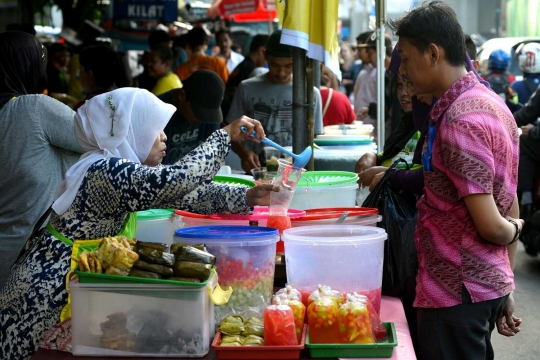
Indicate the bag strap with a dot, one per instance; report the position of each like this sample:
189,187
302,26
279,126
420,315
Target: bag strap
36,229
330,92
374,196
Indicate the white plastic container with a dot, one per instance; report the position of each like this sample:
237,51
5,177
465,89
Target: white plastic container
167,312
349,258
157,225
325,189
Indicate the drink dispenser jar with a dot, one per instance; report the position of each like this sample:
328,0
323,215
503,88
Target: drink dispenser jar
287,178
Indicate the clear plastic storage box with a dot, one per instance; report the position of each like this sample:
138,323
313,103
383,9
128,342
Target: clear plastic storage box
141,320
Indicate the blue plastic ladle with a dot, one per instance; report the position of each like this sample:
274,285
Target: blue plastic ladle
299,161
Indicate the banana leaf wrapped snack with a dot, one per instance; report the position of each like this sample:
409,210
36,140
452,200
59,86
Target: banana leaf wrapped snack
253,340
150,245
144,274
189,253
253,326
228,340
175,246
192,280
191,269
154,256
232,325
155,268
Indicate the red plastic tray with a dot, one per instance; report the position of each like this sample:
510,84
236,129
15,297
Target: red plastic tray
258,352
335,213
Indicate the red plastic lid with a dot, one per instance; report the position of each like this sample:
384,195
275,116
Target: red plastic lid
259,213
335,213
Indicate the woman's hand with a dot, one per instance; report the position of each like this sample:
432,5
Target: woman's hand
366,177
508,324
366,161
376,179
233,129
260,194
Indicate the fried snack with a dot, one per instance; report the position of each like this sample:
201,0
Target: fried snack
122,261
158,269
105,251
83,259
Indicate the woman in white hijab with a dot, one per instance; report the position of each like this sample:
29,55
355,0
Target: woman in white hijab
119,174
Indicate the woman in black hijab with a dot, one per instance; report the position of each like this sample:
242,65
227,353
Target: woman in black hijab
23,65
37,144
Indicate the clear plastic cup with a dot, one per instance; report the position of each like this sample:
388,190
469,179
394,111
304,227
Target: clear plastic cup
272,156
259,174
287,178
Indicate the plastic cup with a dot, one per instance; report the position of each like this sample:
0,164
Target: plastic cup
272,156
259,174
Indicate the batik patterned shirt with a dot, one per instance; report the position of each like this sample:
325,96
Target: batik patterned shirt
475,151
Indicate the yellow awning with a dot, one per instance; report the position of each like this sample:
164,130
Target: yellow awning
312,25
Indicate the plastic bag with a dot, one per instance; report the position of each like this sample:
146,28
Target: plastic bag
288,292
354,323
279,329
326,291
323,321
398,209
377,328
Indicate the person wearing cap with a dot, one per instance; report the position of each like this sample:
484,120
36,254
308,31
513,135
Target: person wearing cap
197,114
196,45
268,99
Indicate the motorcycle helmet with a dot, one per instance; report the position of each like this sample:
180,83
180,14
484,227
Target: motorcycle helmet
528,56
498,59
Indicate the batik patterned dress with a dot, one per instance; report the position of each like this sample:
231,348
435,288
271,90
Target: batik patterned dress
32,299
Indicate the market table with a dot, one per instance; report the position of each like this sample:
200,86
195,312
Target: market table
391,310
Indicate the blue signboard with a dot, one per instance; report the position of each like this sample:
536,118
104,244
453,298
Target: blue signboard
164,10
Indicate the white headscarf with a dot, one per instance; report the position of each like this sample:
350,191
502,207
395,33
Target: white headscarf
139,116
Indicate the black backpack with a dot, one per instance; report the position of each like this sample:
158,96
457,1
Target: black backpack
498,82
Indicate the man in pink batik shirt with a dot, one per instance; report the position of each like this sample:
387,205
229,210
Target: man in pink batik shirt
468,217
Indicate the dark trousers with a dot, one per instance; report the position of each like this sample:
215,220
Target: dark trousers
529,159
460,332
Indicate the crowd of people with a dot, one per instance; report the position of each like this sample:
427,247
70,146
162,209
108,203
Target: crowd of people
156,140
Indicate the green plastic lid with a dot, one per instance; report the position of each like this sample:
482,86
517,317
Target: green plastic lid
232,180
155,214
327,178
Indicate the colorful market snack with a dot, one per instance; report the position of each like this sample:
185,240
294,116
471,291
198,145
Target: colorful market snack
326,291
279,328
354,323
323,321
377,327
299,312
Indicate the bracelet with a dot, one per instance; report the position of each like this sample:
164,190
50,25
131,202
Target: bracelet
518,231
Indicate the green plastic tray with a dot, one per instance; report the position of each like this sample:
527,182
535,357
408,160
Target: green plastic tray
231,180
93,278
383,349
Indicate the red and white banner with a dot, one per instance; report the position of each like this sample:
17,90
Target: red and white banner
232,7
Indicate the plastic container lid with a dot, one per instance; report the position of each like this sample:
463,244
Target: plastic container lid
327,178
154,214
335,213
229,235
259,213
232,180
326,235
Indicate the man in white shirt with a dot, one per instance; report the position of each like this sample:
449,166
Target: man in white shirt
224,41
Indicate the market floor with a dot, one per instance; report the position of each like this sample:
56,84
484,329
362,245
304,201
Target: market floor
526,344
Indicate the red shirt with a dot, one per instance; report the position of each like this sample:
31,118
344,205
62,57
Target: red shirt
339,110
475,151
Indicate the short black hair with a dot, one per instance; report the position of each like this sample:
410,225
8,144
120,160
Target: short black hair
164,53
257,42
363,37
105,64
223,31
196,37
433,23
471,47
158,37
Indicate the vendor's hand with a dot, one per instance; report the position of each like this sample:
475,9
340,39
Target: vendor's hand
508,324
366,177
525,129
376,179
251,124
250,160
260,194
366,161
362,113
